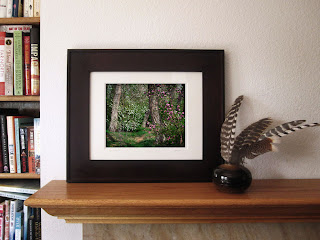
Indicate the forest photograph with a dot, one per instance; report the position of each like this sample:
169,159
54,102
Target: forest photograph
145,115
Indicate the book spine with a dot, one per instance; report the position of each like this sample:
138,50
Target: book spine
37,223
12,217
2,63
15,7
11,144
31,228
4,143
9,8
12,28
18,226
18,73
17,144
20,196
1,158
24,150
35,61
7,220
20,8
31,158
26,215
28,8
2,220
3,8
37,144
9,64
36,8
27,64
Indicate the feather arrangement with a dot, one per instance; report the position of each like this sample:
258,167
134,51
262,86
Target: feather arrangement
255,139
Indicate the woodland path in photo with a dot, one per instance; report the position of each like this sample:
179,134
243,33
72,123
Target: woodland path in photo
145,115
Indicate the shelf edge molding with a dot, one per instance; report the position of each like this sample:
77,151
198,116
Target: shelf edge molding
140,203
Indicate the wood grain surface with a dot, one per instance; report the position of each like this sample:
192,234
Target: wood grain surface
265,201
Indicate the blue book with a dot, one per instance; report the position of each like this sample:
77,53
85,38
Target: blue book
19,226
17,124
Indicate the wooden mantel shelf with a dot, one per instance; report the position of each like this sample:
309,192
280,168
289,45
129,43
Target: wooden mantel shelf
265,201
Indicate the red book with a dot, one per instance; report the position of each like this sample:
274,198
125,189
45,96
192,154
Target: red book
31,157
2,63
27,64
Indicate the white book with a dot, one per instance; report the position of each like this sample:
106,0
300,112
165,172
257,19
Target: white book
12,28
30,186
36,8
19,196
28,8
15,206
9,65
11,144
37,144
2,63
9,8
26,215
3,8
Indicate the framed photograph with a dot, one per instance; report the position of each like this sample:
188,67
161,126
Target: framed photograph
144,115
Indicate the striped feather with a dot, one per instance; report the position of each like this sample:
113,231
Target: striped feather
228,129
281,129
294,129
258,148
247,137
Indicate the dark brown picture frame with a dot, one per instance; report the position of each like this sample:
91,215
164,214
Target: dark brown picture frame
82,62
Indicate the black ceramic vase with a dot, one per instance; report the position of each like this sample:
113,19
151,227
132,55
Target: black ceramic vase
232,178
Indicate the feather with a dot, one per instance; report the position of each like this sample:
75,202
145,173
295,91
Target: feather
281,129
247,137
258,148
228,129
266,144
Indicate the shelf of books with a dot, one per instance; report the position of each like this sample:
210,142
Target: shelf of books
19,118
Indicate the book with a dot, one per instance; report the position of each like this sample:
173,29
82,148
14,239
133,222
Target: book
18,226
31,157
9,64
37,144
2,219
24,150
3,8
7,220
17,123
1,159
2,63
31,234
4,143
12,28
18,196
36,8
28,8
9,8
11,144
30,186
35,61
18,64
26,215
15,206
27,63
37,223
17,8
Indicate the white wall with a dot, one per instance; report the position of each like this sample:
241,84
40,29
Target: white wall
272,53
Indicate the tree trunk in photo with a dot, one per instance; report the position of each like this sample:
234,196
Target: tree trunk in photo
115,107
145,119
154,110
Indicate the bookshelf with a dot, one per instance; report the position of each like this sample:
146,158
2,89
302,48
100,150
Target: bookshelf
27,105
